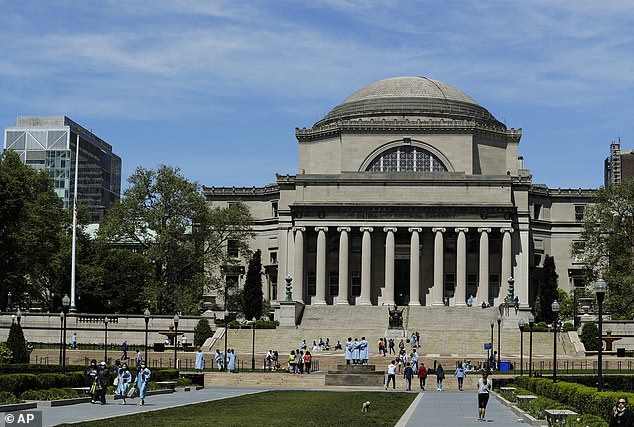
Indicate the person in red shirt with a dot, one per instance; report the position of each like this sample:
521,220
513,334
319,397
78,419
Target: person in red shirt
422,375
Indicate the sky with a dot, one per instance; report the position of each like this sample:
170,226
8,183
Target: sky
217,88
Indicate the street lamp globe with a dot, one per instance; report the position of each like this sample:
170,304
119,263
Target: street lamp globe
66,302
555,307
599,288
521,324
146,314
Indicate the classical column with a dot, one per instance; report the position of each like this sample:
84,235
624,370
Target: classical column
366,266
321,277
342,298
388,290
483,281
282,254
460,293
438,291
414,266
298,277
506,269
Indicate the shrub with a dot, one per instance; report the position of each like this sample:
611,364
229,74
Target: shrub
19,383
50,394
568,326
164,374
589,336
183,382
202,331
5,354
17,344
7,398
585,420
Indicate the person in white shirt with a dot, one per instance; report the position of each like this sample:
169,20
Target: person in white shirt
391,375
484,387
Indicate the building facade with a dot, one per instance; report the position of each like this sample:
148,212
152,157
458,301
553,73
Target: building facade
619,165
410,193
48,143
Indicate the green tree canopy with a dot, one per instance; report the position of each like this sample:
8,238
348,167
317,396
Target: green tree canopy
167,219
17,344
34,231
547,291
202,331
608,246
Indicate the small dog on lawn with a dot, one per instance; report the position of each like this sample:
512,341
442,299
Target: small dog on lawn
365,407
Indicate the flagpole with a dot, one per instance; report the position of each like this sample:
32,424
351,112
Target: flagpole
73,308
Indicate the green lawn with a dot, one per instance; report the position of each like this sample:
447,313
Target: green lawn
278,408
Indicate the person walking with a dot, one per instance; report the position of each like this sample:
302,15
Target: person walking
200,360
125,379
422,375
142,381
460,374
407,374
440,376
92,377
391,375
124,350
103,380
622,415
73,341
484,387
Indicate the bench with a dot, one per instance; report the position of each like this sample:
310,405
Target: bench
82,390
171,385
558,416
525,398
507,389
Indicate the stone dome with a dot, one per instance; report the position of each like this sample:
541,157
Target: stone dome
409,97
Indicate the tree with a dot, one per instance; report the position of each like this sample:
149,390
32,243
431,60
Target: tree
17,344
202,331
608,246
33,235
166,218
547,291
589,336
252,294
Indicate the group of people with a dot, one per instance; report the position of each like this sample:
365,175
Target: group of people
299,362
316,346
357,352
225,363
98,376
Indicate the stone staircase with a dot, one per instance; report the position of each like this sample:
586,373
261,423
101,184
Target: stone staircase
457,331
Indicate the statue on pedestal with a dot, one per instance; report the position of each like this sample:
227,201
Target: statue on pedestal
396,317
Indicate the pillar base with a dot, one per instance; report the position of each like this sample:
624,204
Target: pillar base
341,301
414,303
438,304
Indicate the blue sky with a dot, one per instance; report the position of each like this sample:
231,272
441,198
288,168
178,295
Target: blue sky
218,87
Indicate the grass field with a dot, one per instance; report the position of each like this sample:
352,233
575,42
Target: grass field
277,408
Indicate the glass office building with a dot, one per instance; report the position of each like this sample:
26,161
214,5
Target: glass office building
48,143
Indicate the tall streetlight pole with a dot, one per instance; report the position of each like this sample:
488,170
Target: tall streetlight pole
176,318
105,339
491,368
499,319
253,346
555,308
65,305
521,325
146,315
224,356
599,290
531,323
73,308
61,336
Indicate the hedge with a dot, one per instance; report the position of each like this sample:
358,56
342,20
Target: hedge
19,383
50,394
584,399
27,368
8,398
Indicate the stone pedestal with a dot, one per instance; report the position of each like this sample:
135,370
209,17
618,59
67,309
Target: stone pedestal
355,375
289,313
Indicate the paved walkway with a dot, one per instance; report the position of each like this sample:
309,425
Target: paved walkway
430,408
455,408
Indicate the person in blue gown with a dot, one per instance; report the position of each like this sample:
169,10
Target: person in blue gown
142,381
348,349
200,360
125,379
364,351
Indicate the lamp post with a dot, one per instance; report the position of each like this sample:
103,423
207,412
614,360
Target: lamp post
61,336
499,319
9,301
521,325
489,361
531,323
65,305
555,308
18,315
599,290
224,356
105,339
146,315
176,341
253,345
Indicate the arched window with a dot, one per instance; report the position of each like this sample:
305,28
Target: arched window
406,159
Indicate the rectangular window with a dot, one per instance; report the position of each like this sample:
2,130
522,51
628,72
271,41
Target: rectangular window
355,282
355,245
537,211
273,257
333,283
274,209
577,251
273,288
579,213
311,283
232,248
